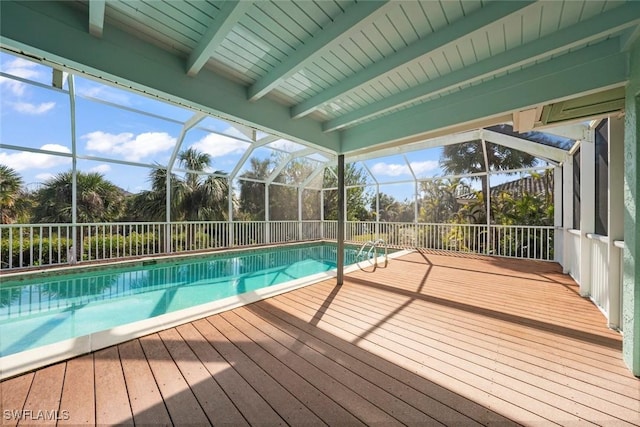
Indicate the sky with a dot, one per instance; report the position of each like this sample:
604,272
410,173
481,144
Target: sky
39,118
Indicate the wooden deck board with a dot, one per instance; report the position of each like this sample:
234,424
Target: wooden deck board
249,402
447,343
13,393
212,398
432,339
43,400
182,405
299,381
78,393
112,400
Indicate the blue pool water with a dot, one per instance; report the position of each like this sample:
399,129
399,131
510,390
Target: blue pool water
39,311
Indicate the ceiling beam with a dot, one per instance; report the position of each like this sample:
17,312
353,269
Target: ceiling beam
589,69
536,149
96,17
487,15
157,72
228,16
611,22
357,15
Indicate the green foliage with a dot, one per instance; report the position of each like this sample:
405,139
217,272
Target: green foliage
98,200
468,157
358,198
440,200
196,196
252,202
32,255
15,203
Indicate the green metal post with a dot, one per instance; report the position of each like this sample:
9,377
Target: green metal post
631,281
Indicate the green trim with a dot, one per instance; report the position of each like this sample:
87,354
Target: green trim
355,15
57,32
585,70
563,40
631,273
485,16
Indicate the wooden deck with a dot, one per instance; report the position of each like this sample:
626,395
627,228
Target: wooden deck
429,340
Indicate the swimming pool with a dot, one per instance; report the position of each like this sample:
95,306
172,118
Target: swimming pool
110,305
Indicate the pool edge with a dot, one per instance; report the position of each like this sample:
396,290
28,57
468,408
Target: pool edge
25,361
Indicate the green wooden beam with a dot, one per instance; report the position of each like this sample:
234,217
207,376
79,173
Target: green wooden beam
588,69
357,15
611,22
56,32
96,17
228,16
489,14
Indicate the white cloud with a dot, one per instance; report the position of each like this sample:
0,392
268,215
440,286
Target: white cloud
131,147
218,145
25,160
286,145
100,168
28,108
42,177
427,166
104,92
394,169
20,68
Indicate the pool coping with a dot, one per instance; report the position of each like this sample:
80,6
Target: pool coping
28,360
97,265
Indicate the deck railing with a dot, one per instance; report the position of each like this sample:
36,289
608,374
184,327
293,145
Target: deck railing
35,245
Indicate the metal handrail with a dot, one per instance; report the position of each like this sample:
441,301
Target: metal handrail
373,248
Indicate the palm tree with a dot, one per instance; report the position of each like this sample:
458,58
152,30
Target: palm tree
98,200
440,199
201,196
14,202
468,157
198,196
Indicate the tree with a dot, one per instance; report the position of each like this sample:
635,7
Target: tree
197,196
439,199
283,199
357,198
14,200
252,203
468,158
98,200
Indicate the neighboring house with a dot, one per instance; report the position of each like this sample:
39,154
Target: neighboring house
535,185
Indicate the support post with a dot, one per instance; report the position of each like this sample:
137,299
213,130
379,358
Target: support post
488,240
300,230
567,213
322,214
587,209
341,222
230,215
377,211
558,235
616,215
267,224
631,283
72,252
